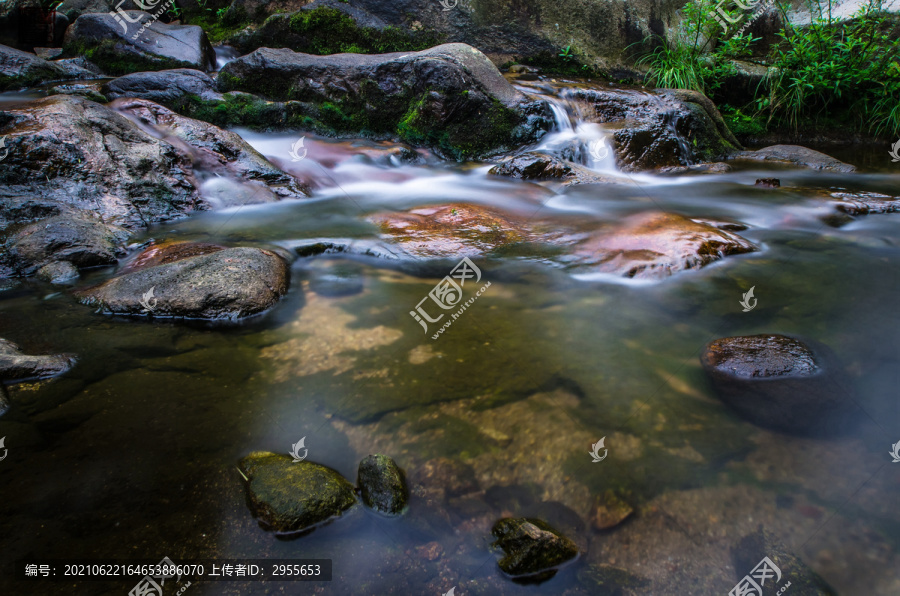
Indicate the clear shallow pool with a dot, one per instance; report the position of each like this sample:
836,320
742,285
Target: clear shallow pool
133,454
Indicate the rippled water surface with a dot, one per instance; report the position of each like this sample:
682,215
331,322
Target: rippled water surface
133,454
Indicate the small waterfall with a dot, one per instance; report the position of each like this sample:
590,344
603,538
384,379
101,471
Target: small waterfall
574,138
224,55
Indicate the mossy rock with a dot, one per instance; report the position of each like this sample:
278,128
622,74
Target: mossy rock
382,485
290,497
533,549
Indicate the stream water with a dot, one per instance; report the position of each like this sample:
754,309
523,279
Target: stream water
133,453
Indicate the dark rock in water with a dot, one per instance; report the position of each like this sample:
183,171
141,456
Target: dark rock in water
532,548
198,287
120,49
382,485
77,241
768,182
337,281
797,156
450,97
171,88
655,245
865,203
538,166
532,166
290,497
779,383
20,69
16,366
666,128
782,567
606,580
58,273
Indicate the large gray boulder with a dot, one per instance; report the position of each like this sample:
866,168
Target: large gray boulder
81,242
219,283
450,97
120,48
20,69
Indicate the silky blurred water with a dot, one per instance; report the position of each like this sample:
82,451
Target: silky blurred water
133,453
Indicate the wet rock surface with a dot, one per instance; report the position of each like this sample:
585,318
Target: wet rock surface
610,510
450,97
17,366
196,286
796,156
100,39
290,497
80,242
539,166
171,88
453,230
20,69
382,485
655,245
780,383
532,548
668,128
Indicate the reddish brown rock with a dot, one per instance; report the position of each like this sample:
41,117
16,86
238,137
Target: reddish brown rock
655,245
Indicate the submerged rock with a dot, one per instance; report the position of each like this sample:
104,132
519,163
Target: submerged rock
290,497
337,281
655,245
610,510
150,45
450,97
201,287
17,366
779,383
789,569
382,485
20,69
531,547
797,156
58,273
453,230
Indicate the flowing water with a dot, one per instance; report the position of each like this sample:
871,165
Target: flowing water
132,455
